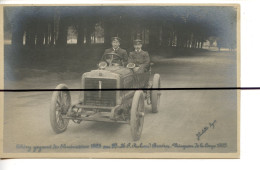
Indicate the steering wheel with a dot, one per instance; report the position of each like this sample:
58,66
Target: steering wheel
110,58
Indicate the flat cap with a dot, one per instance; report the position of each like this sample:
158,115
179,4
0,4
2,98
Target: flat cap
137,41
115,39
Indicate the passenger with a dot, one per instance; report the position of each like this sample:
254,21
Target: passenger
139,57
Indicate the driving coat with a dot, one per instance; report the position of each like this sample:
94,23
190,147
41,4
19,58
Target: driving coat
121,52
141,59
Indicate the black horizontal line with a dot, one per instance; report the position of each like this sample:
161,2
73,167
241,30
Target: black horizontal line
127,89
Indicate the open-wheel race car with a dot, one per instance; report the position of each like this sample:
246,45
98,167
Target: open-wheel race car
111,93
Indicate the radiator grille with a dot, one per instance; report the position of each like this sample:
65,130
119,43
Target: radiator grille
100,98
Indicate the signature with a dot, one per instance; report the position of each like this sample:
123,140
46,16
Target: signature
205,129
212,124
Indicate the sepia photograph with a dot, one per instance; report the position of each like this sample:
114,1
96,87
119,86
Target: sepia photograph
125,81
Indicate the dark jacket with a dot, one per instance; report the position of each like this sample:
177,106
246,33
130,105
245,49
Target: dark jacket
141,59
121,52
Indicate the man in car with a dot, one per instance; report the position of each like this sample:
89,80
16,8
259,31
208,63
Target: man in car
115,41
139,57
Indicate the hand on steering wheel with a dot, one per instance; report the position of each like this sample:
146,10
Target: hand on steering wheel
109,60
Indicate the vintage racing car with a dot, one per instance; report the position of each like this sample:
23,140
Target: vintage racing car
111,93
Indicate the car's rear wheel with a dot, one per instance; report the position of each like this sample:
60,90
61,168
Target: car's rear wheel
60,104
137,115
156,94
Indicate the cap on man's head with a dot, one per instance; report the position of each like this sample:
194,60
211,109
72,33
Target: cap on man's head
137,42
115,39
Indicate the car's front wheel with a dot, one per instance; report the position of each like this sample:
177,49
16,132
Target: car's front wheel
137,115
60,104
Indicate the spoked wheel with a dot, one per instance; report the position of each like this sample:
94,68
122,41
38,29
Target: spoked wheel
137,115
156,94
60,104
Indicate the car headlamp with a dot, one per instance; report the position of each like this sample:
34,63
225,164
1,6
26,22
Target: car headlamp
102,65
130,65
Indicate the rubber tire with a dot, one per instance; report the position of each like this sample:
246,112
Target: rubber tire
154,93
56,128
137,131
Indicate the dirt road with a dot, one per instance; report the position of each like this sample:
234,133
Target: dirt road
182,115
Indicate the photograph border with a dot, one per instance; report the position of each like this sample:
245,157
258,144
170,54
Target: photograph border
116,154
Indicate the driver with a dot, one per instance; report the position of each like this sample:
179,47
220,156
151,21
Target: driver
115,41
139,57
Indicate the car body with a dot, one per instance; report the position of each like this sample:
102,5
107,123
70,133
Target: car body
111,93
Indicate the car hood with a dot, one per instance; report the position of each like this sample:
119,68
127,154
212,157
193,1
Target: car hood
110,71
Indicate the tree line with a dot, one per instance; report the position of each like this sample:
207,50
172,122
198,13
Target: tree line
178,31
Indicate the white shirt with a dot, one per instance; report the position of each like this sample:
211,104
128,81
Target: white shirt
116,48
